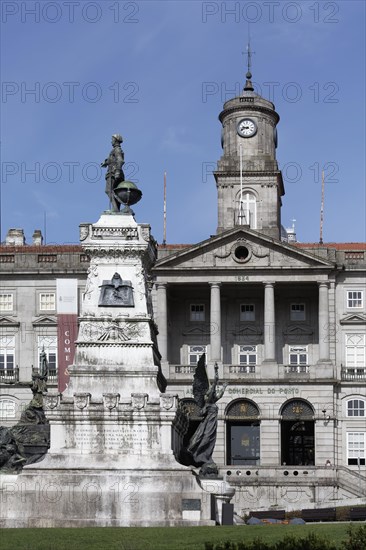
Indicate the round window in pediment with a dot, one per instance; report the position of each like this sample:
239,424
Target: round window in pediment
241,251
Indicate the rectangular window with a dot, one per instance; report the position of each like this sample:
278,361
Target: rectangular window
247,358
197,312
354,299
297,312
47,301
6,302
247,312
298,356
49,344
7,349
194,354
356,448
355,350
356,407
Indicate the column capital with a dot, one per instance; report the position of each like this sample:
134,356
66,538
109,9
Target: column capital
323,284
268,283
160,285
214,284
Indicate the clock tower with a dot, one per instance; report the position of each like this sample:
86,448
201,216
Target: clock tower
249,183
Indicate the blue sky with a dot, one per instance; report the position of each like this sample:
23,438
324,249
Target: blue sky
158,72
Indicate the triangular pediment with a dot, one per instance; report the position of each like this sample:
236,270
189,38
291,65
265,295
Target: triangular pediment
203,330
298,330
239,249
247,330
8,322
45,321
354,319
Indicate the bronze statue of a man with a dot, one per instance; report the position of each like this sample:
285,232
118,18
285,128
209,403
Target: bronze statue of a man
114,174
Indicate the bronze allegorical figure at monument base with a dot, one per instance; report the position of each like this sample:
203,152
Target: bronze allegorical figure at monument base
28,441
202,443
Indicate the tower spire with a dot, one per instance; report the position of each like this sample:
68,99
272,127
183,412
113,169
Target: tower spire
248,84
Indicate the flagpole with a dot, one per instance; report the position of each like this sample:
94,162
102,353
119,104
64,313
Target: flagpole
241,187
322,211
164,230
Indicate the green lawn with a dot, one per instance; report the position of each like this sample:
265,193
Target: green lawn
159,538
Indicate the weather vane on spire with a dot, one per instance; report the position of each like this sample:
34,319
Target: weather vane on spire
248,84
249,54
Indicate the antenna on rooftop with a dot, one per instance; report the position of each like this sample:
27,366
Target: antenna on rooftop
164,229
241,214
45,226
322,211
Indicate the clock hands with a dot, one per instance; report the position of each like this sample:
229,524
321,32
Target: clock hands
246,128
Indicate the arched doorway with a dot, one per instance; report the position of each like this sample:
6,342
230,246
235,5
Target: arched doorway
242,433
297,433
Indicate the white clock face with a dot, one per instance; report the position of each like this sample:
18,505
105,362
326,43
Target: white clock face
246,127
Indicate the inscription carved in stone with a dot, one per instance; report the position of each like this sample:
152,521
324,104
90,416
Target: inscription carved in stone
114,438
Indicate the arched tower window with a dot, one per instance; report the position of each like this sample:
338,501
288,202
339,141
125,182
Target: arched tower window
246,209
297,433
242,433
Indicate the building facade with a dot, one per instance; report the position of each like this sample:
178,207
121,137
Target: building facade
284,321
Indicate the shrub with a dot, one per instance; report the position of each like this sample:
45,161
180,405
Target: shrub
256,544
356,538
310,542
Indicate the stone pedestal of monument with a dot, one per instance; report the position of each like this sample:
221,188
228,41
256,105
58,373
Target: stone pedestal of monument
111,460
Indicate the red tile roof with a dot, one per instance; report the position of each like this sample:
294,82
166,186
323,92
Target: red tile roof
173,246
44,249
60,248
337,246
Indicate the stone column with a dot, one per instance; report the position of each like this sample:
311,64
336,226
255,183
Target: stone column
323,317
215,322
162,320
269,323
